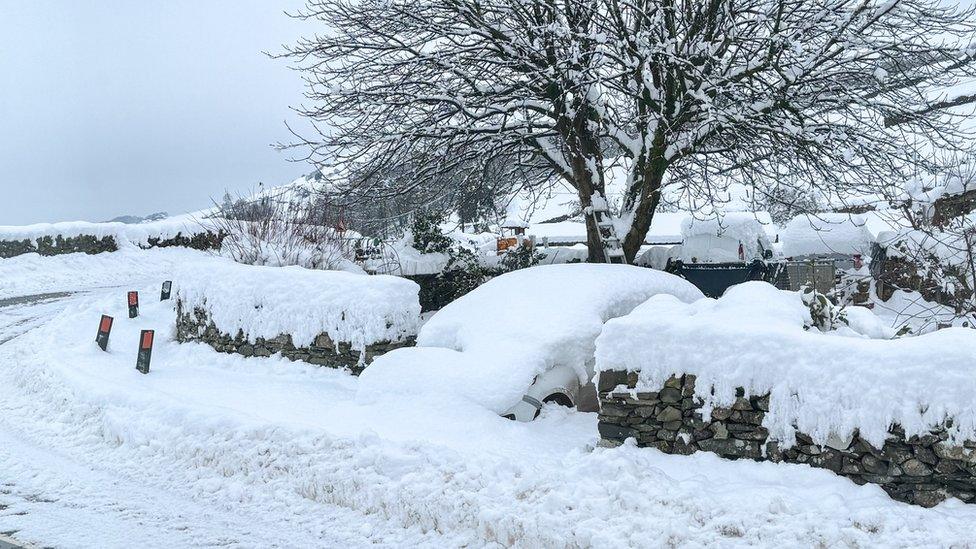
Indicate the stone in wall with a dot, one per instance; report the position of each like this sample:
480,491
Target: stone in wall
198,241
195,325
919,470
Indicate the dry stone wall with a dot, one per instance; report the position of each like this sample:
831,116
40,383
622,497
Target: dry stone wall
923,470
56,245
89,244
195,325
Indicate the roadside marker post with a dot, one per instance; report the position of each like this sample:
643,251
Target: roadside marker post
167,289
104,330
145,350
133,304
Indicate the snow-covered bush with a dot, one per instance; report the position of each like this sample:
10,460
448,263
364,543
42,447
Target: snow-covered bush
426,233
824,314
282,233
820,383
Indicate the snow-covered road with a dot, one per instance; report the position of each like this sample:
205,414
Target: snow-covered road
220,450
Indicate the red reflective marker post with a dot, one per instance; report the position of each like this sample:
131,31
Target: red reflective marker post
133,304
167,289
145,350
104,330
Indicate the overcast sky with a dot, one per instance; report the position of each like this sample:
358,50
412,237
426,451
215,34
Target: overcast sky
113,107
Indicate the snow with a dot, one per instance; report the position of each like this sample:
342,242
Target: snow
33,274
716,239
212,449
269,301
950,246
754,337
125,234
656,257
665,229
825,234
489,345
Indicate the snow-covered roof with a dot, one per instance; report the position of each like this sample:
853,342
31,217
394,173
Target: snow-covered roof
269,301
754,337
489,345
825,234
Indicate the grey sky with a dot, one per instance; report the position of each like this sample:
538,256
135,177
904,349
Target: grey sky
110,107
119,106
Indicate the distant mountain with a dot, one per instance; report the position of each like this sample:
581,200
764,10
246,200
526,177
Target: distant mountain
135,219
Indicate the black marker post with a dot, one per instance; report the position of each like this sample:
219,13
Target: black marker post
133,304
145,351
166,291
104,330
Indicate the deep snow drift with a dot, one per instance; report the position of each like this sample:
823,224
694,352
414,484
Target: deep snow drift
754,337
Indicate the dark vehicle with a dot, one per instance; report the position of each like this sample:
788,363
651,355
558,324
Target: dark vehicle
714,278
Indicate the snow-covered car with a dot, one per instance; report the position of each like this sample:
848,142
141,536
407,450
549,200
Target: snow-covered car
521,340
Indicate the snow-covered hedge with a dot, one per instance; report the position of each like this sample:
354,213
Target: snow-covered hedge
267,302
820,384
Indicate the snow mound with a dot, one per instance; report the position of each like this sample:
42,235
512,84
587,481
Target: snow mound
125,234
819,384
490,344
269,301
826,233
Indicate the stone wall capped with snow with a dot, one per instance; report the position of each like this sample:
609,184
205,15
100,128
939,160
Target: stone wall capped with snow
331,318
764,374
194,324
923,470
94,238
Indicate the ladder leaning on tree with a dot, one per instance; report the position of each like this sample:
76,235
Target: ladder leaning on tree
613,251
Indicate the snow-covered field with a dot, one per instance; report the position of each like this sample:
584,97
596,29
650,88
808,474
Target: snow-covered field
220,450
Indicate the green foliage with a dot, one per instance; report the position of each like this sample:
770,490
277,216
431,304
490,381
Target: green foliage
825,314
427,235
520,257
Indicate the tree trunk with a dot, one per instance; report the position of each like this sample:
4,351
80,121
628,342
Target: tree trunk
647,201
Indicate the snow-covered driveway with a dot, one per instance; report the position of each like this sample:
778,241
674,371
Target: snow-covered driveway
213,449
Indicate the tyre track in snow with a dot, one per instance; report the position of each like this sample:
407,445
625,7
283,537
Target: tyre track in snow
60,495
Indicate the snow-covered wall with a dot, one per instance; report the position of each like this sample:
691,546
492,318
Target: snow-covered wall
325,317
853,384
93,238
922,470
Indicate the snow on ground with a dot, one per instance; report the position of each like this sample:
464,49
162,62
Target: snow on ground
269,301
823,384
212,449
33,274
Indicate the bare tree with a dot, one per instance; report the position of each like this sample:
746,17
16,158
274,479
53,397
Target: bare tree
689,94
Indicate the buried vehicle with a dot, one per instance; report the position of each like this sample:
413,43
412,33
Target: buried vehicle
522,339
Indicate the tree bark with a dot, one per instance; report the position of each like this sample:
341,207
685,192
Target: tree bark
646,204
